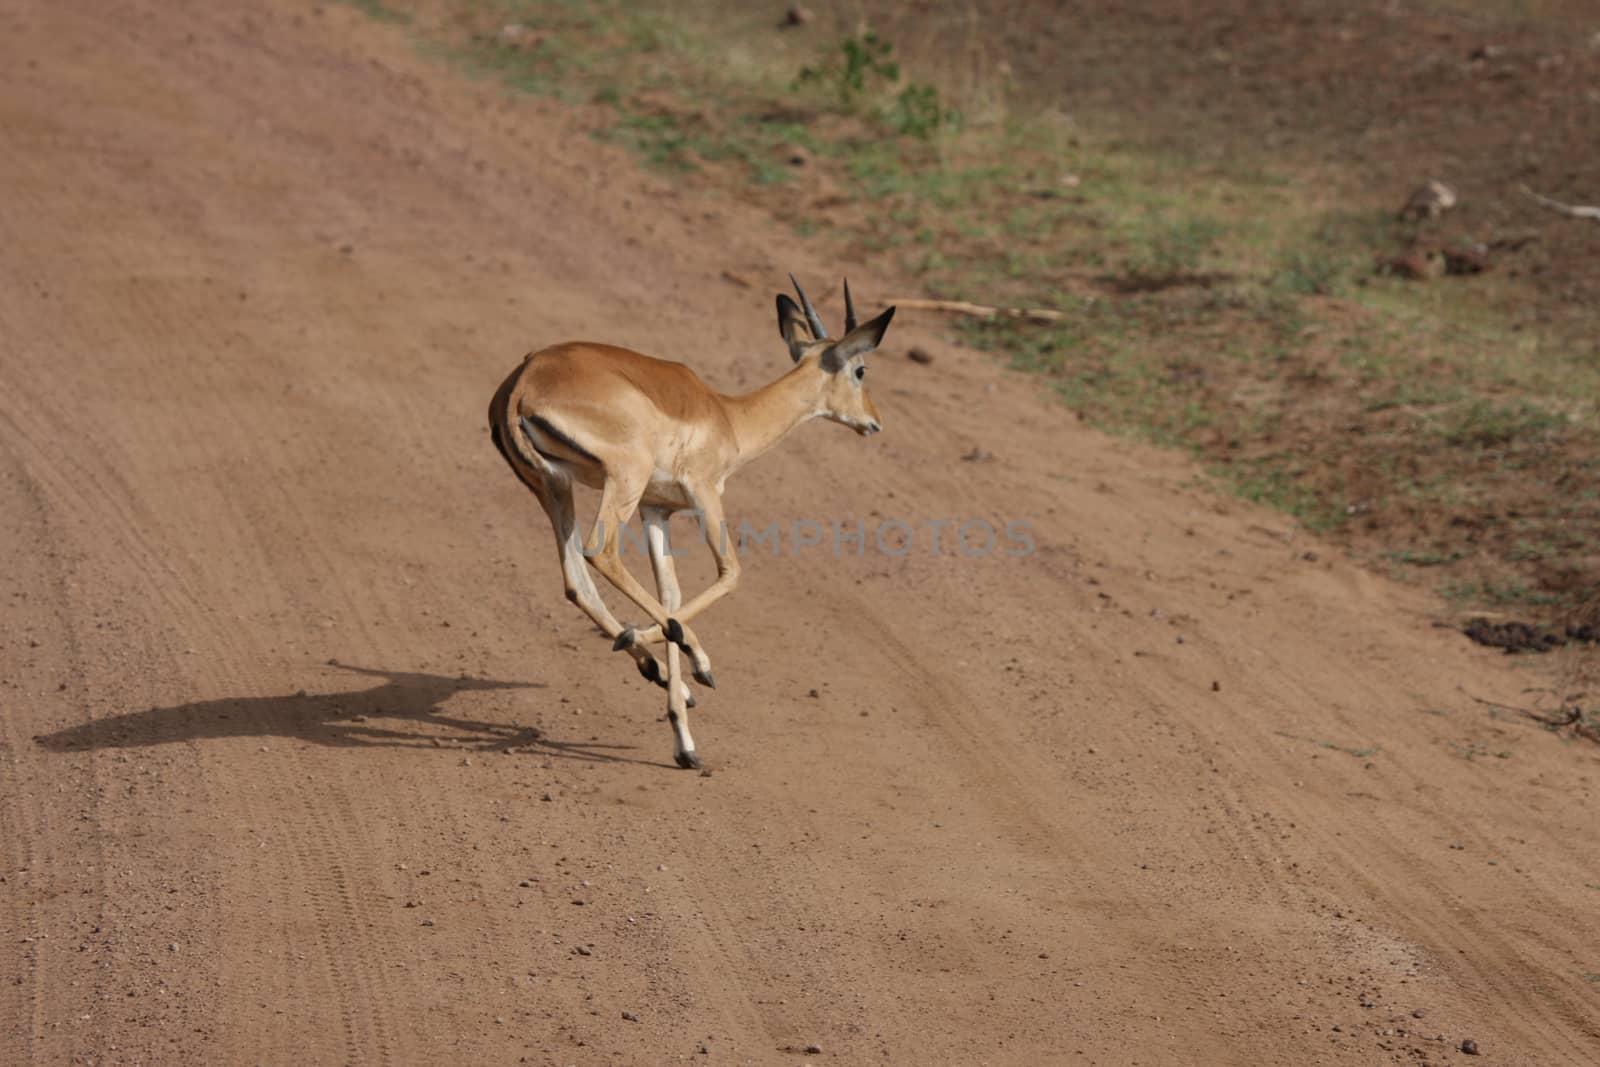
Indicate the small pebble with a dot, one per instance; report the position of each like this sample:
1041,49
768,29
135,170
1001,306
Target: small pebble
1470,1047
630,1016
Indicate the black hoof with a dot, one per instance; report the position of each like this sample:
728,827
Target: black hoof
704,678
675,632
651,669
688,761
624,640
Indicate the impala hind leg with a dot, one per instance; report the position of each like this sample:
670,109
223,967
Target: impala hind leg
556,496
655,528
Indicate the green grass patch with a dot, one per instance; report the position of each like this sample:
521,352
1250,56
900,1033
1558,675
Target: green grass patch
377,9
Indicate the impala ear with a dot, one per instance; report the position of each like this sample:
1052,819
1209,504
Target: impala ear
792,326
858,342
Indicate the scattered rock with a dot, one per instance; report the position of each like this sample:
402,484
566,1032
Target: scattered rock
1419,1013
1466,259
795,155
1430,257
1588,633
813,694
1514,637
978,455
813,1050
512,32
797,16
705,772
1469,1047
580,950
1429,200
918,354
630,1016
1216,687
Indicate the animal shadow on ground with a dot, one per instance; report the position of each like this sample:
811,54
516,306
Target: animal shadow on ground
376,716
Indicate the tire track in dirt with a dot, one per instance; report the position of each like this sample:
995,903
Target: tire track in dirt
1387,874
92,497
717,966
361,999
31,830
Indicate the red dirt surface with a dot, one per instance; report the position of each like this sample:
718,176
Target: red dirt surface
304,758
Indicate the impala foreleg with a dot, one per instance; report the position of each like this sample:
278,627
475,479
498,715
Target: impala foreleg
604,550
655,527
717,539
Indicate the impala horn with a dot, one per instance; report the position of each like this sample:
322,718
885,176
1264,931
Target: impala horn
818,331
849,308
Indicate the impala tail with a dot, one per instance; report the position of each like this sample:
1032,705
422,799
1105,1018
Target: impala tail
512,445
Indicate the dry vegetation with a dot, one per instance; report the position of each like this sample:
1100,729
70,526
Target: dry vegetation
1213,199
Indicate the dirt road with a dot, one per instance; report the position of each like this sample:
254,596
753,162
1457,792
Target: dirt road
304,758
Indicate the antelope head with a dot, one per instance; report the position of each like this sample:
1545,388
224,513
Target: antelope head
840,363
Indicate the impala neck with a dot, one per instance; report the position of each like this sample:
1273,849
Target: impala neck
764,417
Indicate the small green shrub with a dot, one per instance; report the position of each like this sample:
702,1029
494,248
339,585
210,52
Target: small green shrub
916,112
866,62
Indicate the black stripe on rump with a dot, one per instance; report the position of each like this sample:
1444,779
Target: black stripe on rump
544,426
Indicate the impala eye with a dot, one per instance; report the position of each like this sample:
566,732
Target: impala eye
861,372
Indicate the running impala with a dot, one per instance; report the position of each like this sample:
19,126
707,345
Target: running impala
651,436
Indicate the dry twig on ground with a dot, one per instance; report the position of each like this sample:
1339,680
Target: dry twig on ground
1576,211
982,311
